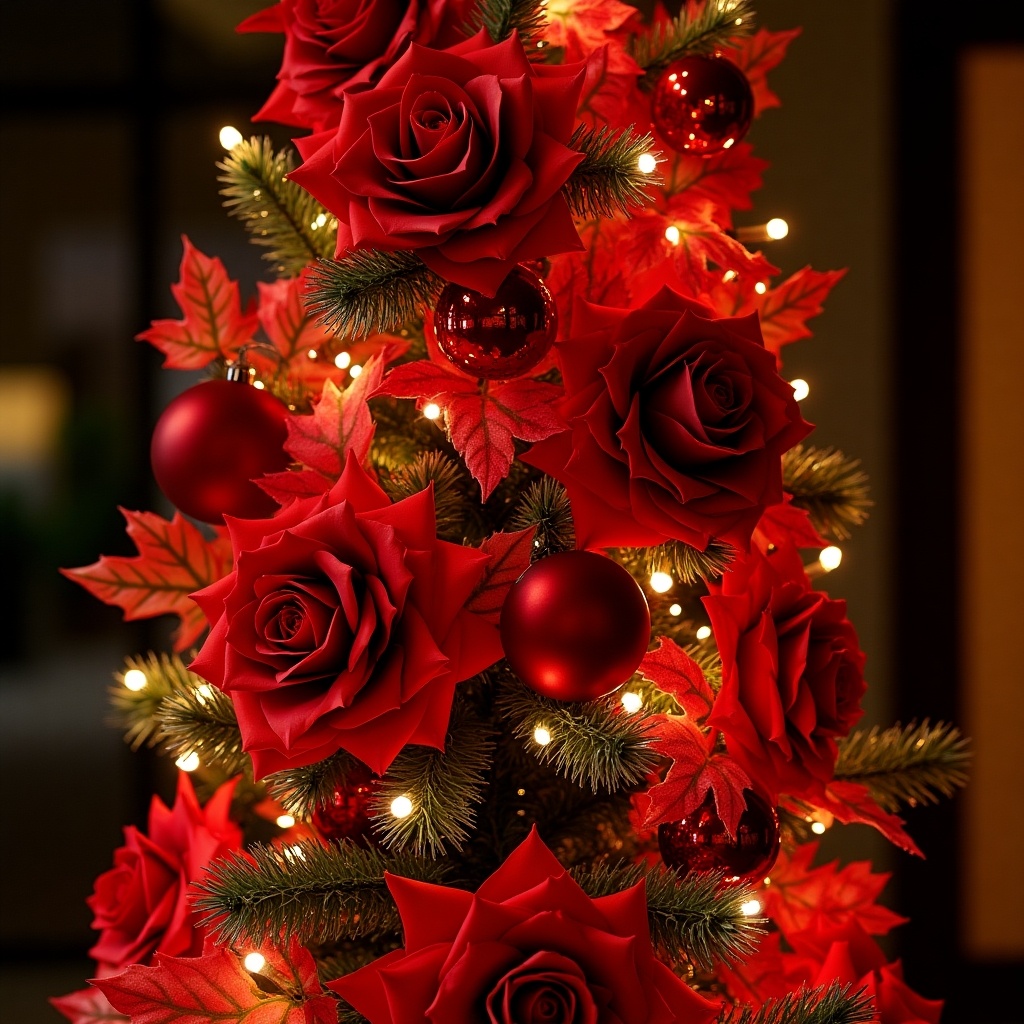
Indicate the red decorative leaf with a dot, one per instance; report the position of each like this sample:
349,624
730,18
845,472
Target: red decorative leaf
610,95
213,323
696,768
510,558
674,672
760,976
785,309
283,317
851,802
756,56
726,179
87,1006
174,561
216,987
703,242
801,894
784,524
583,26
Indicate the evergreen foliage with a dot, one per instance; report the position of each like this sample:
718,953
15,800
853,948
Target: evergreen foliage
608,180
202,720
503,17
830,486
545,505
135,710
835,1004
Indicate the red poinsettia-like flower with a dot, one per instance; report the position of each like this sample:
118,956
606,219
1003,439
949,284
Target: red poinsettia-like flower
528,946
459,155
678,422
792,672
333,47
344,625
140,906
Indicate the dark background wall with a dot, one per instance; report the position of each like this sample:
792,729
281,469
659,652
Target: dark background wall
108,133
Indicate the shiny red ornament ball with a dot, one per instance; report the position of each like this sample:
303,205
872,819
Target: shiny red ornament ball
702,104
498,338
575,626
211,442
347,814
700,842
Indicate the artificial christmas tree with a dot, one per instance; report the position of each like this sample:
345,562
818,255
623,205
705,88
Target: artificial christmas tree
380,643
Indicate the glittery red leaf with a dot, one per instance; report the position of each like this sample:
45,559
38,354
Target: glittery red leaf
851,802
756,55
510,558
674,672
785,309
726,179
87,1006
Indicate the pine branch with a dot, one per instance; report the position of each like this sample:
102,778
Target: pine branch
444,787
451,489
695,916
279,215
370,292
309,892
503,17
202,720
703,30
300,791
832,1005
135,710
592,743
912,764
689,564
545,505
831,487
608,180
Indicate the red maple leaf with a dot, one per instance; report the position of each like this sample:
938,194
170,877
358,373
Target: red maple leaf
726,179
610,94
760,976
696,768
510,558
215,987
756,56
581,26
800,894
785,309
674,672
174,561
87,1006
212,325
340,423
482,417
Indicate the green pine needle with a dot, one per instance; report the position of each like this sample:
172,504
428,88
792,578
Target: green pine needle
608,180
202,720
503,17
300,791
135,710
451,489
689,564
545,505
831,487
832,1005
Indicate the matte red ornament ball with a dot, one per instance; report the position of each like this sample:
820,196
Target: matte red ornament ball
211,442
702,104
575,626
497,338
700,842
347,814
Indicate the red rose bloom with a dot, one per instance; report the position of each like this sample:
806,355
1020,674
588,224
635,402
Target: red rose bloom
343,625
678,422
529,947
141,905
792,672
459,155
332,47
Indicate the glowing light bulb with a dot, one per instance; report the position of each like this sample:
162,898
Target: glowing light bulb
230,137
632,702
312,353
401,807
135,679
672,234
675,609
542,735
285,821
255,962
760,287
818,828
751,908
355,371
776,228
258,385
801,389
188,762
830,557
661,582
729,275
431,410
647,163
343,360
203,693
703,632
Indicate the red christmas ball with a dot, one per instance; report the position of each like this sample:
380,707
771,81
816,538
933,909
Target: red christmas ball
497,338
575,625
347,815
702,104
700,842
211,442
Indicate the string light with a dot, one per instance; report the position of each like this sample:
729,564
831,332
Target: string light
760,287
312,353
355,371
703,632
818,828
255,962
401,807
801,389
661,582
230,137
188,762
258,385
285,821
542,735
431,410
830,557
135,679
751,908
647,163
729,275
776,228
672,234
675,609
203,692
343,360
632,702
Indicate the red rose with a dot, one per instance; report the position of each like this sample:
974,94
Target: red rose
141,905
332,47
678,422
529,947
343,625
457,154
792,672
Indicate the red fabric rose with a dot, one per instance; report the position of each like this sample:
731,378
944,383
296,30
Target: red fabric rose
792,672
529,947
343,625
333,47
678,422
457,154
141,905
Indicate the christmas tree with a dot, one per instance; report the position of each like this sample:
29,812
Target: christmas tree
503,687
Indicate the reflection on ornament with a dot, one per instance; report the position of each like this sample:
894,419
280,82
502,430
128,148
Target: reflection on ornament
347,814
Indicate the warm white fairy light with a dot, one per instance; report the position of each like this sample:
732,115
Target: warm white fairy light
672,234
285,821
188,762
135,679
230,137
729,275
258,385
401,807
354,371
632,702
661,582
542,735
647,163
255,962
830,557
818,828
343,360
203,692
801,389
776,228
703,632
312,353
760,287
431,410
675,609
751,908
